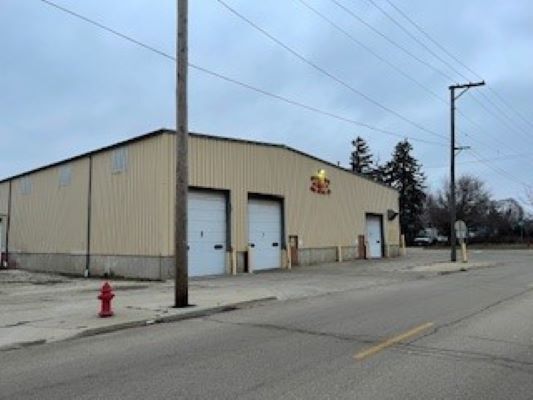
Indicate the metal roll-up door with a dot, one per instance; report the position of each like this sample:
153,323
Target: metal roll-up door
265,233
207,229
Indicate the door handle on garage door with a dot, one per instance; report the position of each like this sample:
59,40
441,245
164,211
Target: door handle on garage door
218,246
252,244
275,244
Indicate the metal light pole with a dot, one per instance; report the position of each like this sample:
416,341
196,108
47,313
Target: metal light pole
181,298
453,148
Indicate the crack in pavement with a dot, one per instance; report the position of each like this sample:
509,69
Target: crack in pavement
429,351
363,339
21,323
457,321
411,346
367,338
511,342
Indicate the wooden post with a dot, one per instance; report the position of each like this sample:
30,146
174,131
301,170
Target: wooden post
339,254
403,250
289,258
464,252
249,259
233,262
181,298
361,246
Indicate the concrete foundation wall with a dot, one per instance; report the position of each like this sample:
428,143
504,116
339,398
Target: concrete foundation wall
317,255
241,262
56,263
155,267
349,253
138,267
394,250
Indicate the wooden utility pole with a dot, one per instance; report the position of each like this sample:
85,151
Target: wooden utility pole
181,298
453,255
453,149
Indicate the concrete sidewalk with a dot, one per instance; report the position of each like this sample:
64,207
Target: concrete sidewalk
37,308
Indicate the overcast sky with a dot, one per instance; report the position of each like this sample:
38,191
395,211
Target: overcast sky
68,87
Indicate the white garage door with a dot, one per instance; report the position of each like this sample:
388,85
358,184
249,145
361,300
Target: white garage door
207,233
374,236
264,233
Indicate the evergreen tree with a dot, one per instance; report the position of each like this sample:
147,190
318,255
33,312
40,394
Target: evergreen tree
361,158
381,173
404,174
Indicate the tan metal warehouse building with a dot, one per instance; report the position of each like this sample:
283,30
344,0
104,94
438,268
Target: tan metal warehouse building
252,206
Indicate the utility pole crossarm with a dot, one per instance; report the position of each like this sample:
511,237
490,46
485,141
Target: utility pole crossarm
467,85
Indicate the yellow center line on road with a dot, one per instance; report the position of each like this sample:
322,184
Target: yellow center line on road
392,341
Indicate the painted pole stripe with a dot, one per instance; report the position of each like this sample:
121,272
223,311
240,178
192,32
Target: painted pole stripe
392,341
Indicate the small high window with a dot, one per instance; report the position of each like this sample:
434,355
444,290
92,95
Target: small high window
119,160
65,175
25,185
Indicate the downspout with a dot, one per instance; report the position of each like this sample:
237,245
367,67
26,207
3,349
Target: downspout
89,201
8,223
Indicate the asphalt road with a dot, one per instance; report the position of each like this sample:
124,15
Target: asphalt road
460,336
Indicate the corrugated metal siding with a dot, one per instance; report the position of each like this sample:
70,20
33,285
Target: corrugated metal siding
132,211
4,201
128,208
318,220
50,219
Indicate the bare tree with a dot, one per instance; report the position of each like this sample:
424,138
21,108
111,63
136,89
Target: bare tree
474,204
529,196
488,218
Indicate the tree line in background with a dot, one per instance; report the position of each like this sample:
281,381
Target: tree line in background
488,220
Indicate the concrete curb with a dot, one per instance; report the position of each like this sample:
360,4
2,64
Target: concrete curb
192,314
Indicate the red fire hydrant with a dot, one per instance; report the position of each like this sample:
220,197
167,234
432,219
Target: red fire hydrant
106,295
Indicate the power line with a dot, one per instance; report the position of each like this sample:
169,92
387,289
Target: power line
108,29
391,41
456,59
264,92
302,105
312,108
235,81
394,67
506,116
325,72
501,171
350,12
371,51
506,103
502,121
383,59
489,143
422,44
421,30
404,29
391,65
503,158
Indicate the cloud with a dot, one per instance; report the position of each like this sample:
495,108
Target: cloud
69,87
